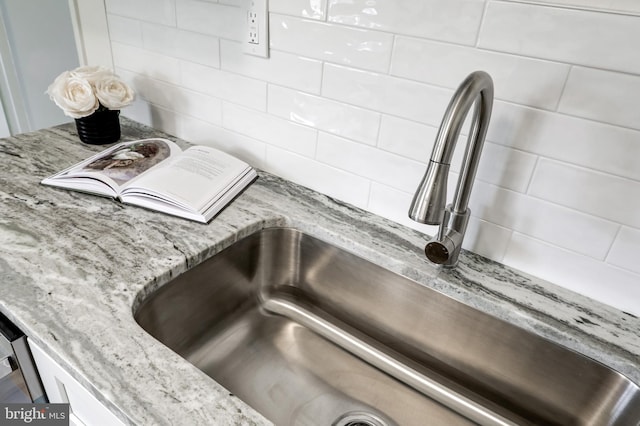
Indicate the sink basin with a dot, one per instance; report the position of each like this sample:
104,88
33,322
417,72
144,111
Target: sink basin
309,334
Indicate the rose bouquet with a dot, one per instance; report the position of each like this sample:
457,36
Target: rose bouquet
84,90
93,96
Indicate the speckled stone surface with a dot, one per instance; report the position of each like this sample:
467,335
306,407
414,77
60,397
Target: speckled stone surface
74,266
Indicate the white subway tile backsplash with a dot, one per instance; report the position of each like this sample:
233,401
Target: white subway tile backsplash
154,65
408,138
486,239
158,11
369,162
312,9
175,98
200,132
153,115
582,142
182,44
166,120
499,165
624,6
354,47
236,3
517,79
270,129
281,68
323,114
394,204
456,21
543,220
316,175
602,40
391,95
139,110
505,167
125,30
610,197
611,285
213,19
625,251
603,95
224,85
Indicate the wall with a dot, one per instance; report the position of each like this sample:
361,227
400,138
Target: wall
352,95
38,44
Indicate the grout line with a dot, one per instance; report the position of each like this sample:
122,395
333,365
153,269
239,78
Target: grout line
377,139
507,247
579,8
613,242
476,45
368,200
322,83
556,108
533,173
394,43
316,145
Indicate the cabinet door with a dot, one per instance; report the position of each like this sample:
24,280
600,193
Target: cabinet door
84,408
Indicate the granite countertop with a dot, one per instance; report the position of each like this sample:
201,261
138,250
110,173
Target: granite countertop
73,266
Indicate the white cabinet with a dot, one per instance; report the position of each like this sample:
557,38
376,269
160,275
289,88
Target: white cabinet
85,409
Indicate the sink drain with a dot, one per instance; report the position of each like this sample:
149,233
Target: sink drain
357,418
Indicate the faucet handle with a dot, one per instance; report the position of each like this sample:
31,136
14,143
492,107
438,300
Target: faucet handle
431,196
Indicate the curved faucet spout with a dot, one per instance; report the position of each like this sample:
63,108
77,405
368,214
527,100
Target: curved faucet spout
428,205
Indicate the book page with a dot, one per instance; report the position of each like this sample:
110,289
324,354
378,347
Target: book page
116,166
193,179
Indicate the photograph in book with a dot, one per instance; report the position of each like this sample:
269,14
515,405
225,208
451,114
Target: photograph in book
130,161
156,174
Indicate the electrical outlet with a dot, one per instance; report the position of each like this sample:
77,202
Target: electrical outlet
257,30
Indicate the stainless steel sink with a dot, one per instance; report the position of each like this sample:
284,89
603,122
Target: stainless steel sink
309,334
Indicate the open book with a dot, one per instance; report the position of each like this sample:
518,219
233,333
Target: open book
156,174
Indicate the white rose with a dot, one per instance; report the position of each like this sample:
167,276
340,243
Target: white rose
92,73
113,93
74,95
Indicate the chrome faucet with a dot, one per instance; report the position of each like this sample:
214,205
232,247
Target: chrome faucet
428,205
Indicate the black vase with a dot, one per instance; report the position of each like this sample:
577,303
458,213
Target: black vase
101,127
